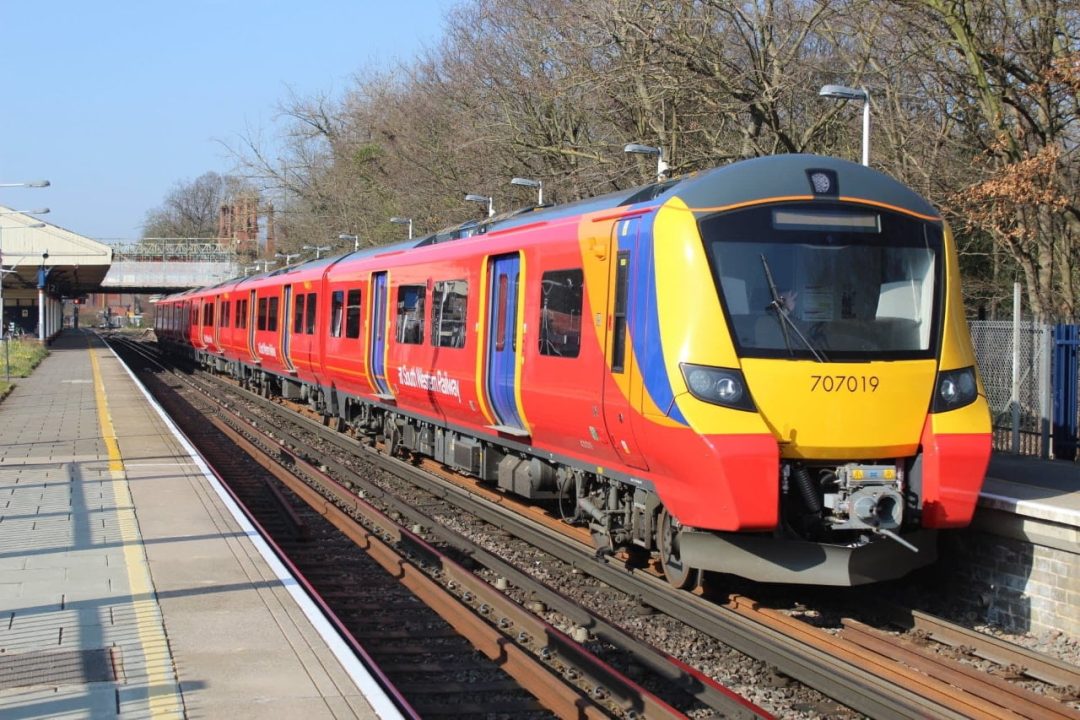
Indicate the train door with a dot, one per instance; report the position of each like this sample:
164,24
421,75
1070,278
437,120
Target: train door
377,341
287,314
502,351
621,380
251,310
217,318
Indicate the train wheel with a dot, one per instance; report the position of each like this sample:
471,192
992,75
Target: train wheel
678,574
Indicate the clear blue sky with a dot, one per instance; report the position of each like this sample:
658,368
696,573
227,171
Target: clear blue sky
114,102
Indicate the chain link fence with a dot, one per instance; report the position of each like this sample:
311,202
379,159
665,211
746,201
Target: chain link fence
1020,401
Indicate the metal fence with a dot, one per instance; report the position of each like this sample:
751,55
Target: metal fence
1015,364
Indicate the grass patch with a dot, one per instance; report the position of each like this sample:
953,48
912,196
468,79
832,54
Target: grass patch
22,357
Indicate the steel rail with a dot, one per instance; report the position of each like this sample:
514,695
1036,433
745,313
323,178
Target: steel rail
953,677
1032,664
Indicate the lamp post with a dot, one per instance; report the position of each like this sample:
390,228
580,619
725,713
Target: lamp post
486,199
661,164
354,238
842,92
529,182
288,257
43,277
403,221
317,248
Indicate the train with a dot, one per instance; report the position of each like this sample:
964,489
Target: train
761,369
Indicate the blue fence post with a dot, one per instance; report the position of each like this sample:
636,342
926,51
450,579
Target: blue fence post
1066,373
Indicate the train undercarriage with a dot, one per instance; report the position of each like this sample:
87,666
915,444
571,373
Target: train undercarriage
837,530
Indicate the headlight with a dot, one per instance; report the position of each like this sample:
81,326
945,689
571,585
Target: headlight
955,389
719,386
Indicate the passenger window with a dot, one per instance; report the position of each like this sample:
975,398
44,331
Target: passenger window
352,315
271,315
560,313
337,307
448,304
224,319
309,320
500,312
298,315
410,314
262,313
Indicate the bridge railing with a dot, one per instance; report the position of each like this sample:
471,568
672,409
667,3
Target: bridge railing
180,251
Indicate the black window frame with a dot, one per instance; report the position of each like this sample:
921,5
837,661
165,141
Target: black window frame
353,313
448,327
561,345
272,314
311,313
409,325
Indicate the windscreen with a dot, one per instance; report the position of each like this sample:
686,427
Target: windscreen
828,282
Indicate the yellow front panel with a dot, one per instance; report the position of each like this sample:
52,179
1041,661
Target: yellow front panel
842,411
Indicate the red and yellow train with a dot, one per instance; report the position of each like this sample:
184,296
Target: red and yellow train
762,369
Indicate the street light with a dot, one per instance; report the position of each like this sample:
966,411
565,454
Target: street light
318,249
288,257
482,199
403,221
355,240
30,184
661,164
528,182
38,211
842,92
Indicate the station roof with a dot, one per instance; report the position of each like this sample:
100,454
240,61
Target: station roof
76,264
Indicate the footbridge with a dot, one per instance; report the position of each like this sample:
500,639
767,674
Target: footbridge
168,266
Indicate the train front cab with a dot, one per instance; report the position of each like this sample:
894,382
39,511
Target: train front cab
839,419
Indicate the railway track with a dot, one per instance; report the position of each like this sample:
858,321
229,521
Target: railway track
416,612
874,674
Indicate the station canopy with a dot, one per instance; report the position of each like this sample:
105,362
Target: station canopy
75,264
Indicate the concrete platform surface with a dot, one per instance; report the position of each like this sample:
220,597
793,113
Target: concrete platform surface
127,589
1040,489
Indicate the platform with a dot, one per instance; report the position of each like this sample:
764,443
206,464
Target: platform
1019,563
127,589
1043,496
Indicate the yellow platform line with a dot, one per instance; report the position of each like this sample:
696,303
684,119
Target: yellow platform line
162,691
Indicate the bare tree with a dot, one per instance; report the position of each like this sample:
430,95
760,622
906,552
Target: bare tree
190,210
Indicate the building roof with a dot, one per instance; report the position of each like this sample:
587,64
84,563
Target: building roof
76,264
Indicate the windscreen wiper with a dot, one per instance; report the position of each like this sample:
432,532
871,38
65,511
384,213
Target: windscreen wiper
777,306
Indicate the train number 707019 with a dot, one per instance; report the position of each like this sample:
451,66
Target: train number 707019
844,383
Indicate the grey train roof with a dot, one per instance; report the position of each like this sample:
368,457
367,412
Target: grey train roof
746,181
